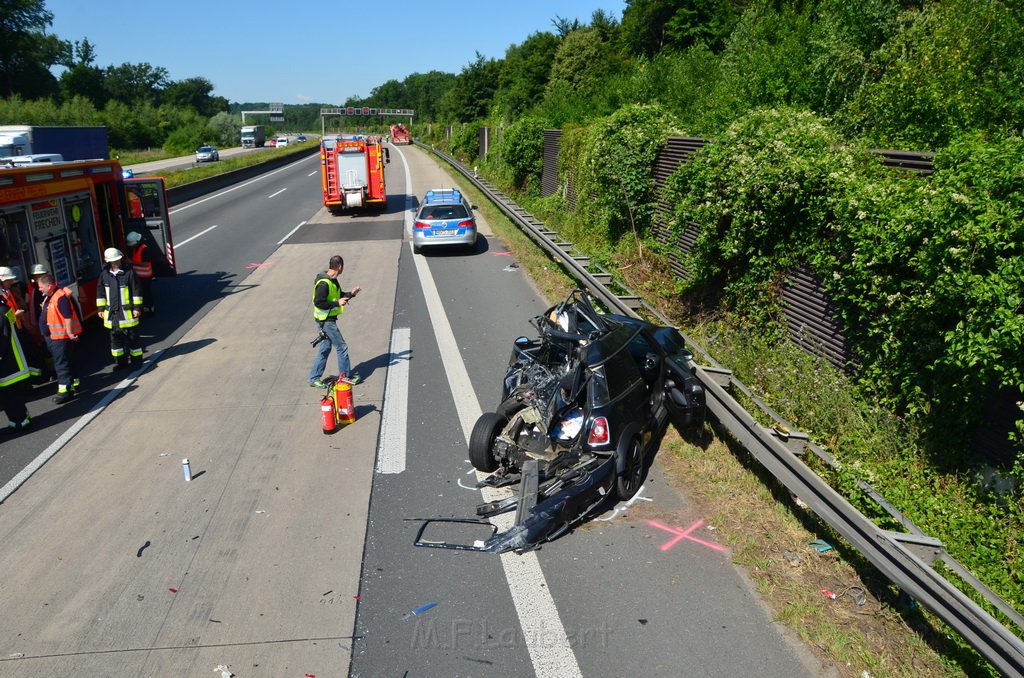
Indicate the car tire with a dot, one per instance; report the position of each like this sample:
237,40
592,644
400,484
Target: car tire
627,483
481,440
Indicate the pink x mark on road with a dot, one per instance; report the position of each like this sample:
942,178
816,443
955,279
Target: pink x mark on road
263,265
683,534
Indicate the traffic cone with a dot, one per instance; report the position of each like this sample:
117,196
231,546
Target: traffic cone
346,411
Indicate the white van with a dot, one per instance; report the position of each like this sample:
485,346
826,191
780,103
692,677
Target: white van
282,141
34,158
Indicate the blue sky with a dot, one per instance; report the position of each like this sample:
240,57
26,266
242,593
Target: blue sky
313,51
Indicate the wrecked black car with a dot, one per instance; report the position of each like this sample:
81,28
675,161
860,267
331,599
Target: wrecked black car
583,410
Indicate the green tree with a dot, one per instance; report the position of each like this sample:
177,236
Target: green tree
651,26
470,98
581,64
195,93
224,129
954,66
524,74
27,52
135,83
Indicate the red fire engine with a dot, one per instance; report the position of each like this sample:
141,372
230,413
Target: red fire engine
399,135
64,214
352,172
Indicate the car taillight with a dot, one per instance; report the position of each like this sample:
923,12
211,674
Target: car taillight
420,224
468,223
599,432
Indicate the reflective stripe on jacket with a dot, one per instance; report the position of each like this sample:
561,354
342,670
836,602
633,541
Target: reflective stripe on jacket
8,296
56,321
120,293
143,269
333,295
18,368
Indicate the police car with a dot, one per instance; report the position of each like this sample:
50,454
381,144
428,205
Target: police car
444,218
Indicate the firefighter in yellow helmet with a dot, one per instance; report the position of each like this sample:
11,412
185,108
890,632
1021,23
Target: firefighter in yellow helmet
119,302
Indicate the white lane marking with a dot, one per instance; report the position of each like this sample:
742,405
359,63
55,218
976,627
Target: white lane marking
55,447
278,193
301,224
391,448
185,242
543,631
312,173
409,211
235,188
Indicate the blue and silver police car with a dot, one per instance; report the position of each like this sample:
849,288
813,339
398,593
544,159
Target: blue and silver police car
444,218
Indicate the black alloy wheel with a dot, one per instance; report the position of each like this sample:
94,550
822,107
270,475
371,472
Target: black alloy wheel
628,482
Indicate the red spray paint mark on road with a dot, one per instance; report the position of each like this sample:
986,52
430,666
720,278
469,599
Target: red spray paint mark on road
683,534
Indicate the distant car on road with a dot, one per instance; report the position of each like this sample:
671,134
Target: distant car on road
300,138
282,141
207,154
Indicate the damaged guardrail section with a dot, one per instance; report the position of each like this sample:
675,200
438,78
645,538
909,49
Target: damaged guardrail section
906,559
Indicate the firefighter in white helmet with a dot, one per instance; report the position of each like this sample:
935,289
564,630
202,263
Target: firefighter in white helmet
119,302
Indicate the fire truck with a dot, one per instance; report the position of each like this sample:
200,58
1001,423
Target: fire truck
352,172
64,214
399,135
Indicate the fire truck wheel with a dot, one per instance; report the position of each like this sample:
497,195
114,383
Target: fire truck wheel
481,441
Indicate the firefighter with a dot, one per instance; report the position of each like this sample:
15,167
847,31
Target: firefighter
119,302
142,263
60,323
14,372
22,325
328,303
34,302
7,280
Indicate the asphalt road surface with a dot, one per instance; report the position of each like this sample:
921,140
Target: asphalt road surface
291,552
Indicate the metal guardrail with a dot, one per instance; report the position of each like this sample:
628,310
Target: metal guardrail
905,558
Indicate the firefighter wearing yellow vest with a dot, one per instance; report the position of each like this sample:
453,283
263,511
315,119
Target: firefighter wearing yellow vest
14,373
328,303
142,263
22,319
119,302
61,325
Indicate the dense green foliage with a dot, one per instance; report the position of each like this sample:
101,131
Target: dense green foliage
926,273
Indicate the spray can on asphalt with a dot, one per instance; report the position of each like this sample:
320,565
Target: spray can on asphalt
186,469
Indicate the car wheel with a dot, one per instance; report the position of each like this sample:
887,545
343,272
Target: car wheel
481,440
628,482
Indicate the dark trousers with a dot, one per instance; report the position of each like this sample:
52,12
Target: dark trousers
124,341
63,352
12,399
148,300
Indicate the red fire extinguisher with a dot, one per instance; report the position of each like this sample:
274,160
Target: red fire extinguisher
346,411
327,417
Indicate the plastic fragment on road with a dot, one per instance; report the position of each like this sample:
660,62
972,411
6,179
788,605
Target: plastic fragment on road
173,590
419,610
225,671
821,545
